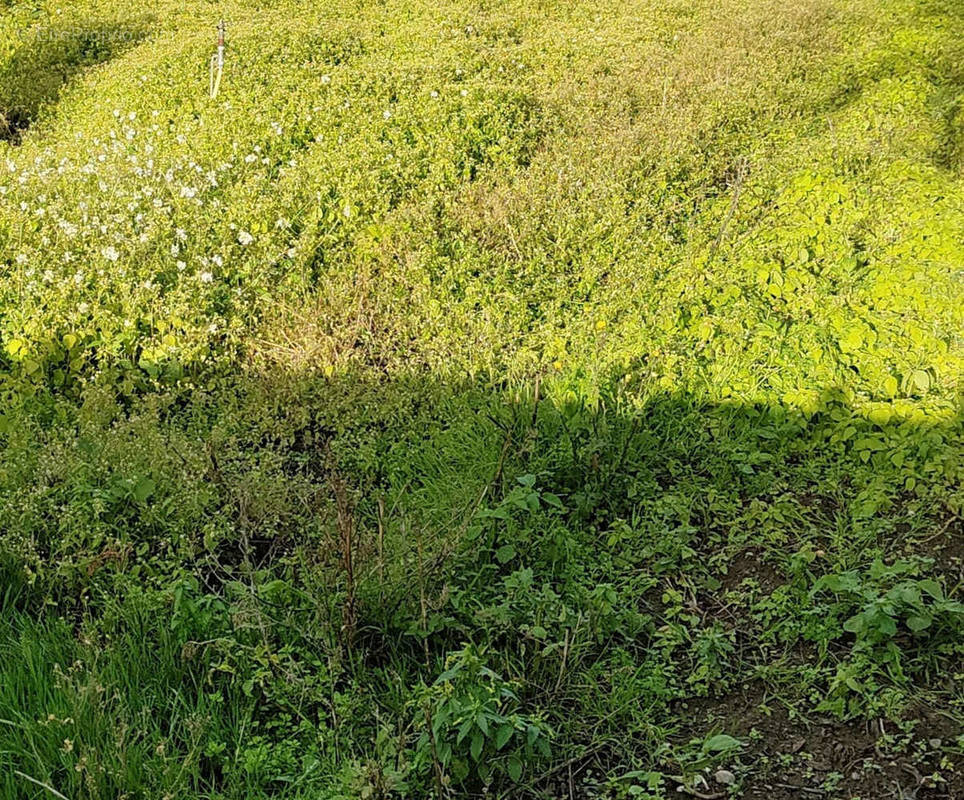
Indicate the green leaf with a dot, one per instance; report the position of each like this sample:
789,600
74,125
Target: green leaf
502,735
143,489
852,339
855,624
464,729
514,767
932,587
475,749
505,553
532,733
448,674
721,743
552,500
921,380
918,622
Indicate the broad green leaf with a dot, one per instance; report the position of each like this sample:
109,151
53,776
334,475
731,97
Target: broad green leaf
503,735
475,749
505,553
921,379
482,722
721,743
918,622
143,489
932,587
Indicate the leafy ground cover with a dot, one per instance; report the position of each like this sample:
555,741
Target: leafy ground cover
519,400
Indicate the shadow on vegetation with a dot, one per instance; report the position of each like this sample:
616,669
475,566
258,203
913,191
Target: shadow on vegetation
46,59
320,550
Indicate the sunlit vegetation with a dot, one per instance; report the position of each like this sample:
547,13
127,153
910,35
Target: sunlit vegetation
525,399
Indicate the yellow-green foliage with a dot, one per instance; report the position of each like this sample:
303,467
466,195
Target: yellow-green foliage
738,199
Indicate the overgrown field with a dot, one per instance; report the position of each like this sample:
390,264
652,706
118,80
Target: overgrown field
527,399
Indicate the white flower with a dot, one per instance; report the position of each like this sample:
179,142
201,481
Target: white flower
181,266
387,114
83,308
245,238
188,192
110,253
206,277
325,79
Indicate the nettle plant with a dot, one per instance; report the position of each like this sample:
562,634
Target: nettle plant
899,622
888,595
472,727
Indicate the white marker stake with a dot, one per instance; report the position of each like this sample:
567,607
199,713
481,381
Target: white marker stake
217,63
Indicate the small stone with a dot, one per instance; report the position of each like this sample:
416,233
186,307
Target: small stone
935,743
725,777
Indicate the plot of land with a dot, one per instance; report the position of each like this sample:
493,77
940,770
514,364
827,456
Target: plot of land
526,399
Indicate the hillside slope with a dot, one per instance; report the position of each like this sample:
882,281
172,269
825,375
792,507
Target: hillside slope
534,399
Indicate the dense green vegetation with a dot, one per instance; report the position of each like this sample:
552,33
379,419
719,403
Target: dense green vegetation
527,399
